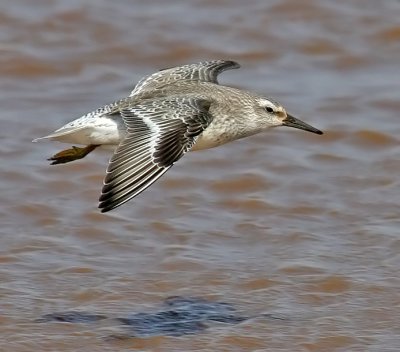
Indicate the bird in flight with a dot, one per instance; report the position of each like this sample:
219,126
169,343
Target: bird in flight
167,114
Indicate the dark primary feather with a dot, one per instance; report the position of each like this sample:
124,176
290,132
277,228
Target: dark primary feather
159,132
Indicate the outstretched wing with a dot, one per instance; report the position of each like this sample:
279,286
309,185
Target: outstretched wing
206,71
159,132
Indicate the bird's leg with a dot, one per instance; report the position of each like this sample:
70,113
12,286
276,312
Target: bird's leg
74,153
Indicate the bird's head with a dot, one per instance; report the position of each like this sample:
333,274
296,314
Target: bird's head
274,114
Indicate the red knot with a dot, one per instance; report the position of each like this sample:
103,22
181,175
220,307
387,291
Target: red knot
168,113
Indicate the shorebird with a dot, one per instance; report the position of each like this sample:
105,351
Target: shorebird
167,114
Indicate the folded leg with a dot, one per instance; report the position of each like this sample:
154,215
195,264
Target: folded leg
74,153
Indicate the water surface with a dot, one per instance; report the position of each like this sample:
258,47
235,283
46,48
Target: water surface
284,223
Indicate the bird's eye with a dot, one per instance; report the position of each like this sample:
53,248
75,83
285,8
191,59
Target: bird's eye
269,109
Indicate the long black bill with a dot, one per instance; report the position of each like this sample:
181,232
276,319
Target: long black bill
291,121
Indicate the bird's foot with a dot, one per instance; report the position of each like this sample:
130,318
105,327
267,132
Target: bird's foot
74,153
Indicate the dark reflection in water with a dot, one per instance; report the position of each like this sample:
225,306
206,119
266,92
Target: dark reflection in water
178,316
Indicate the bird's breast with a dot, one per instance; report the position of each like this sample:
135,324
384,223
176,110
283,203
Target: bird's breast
214,135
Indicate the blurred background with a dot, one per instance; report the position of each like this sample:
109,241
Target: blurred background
285,222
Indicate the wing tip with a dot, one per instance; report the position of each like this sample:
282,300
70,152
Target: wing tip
234,64
107,205
104,209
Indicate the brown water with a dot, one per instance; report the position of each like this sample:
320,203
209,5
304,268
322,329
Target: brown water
286,222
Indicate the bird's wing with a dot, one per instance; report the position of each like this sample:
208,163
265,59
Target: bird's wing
159,132
206,71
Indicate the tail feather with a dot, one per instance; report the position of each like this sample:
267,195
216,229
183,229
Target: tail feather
60,133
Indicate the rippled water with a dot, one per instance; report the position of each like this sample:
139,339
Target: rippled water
285,223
